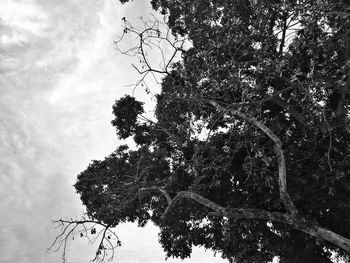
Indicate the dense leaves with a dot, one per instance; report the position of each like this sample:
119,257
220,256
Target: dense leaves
283,63
126,111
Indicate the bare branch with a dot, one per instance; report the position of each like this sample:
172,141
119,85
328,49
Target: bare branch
151,35
108,240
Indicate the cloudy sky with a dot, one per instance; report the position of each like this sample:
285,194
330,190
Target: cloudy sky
59,76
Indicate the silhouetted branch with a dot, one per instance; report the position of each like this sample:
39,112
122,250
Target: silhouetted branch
151,35
108,240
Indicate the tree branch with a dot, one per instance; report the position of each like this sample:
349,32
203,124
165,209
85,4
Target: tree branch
108,239
274,98
199,199
284,30
296,223
282,177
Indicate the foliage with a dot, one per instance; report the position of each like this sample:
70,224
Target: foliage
211,171
126,110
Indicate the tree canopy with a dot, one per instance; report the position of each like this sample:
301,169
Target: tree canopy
249,152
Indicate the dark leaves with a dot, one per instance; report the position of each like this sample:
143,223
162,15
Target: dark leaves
126,111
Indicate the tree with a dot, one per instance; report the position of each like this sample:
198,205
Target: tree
259,98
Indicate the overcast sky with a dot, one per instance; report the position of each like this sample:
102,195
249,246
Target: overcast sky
59,76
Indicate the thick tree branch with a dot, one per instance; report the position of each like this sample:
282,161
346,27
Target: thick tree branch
284,30
296,223
199,199
282,177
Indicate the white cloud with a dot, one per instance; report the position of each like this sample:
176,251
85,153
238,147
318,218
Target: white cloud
23,15
12,38
90,54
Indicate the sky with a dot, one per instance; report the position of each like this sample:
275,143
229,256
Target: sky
60,74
